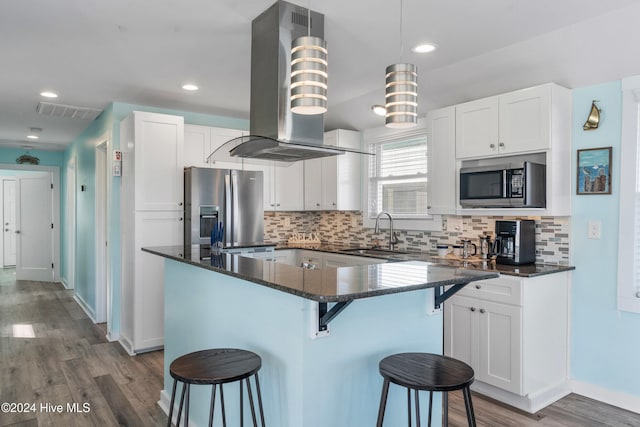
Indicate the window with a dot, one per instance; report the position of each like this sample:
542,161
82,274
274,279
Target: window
629,232
398,178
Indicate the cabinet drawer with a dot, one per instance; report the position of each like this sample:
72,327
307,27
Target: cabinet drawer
504,289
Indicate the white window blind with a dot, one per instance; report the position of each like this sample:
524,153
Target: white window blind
398,178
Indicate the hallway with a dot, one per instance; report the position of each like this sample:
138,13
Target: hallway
51,353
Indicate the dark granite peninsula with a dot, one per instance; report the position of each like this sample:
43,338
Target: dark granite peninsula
320,332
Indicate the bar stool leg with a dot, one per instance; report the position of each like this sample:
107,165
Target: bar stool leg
259,400
184,389
417,409
213,404
253,410
173,401
409,405
224,416
471,416
186,409
430,408
383,402
445,409
241,405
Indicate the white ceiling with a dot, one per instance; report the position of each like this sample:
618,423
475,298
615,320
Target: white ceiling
94,52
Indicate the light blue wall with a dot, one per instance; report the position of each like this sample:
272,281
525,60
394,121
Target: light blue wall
605,342
47,158
107,127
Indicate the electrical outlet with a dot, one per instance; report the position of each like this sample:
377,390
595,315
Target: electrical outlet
594,230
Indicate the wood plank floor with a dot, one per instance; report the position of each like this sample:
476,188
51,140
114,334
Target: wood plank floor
68,361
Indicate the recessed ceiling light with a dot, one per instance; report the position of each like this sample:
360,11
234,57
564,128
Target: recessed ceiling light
49,94
424,48
379,109
190,87
33,137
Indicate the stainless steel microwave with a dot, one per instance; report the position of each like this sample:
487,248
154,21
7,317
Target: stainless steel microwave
514,185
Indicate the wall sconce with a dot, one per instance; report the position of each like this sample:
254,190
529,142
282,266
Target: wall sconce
594,117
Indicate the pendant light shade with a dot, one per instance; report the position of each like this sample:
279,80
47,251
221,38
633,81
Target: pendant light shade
309,75
401,96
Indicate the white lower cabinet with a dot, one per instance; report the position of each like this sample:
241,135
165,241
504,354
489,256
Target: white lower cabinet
142,312
514,333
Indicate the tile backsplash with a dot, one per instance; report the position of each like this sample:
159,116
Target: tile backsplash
339,227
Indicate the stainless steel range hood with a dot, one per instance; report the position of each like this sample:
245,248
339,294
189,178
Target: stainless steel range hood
275,132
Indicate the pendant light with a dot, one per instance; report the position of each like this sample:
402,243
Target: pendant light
309,73
401,91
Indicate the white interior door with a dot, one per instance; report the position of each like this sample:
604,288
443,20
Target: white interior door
9,222
34,219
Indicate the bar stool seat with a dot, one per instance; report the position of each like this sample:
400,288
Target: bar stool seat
215,367
426,371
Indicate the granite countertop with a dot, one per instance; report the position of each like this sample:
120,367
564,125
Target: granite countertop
330,284
529,270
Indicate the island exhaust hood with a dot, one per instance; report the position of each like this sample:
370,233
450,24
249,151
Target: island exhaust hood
275,132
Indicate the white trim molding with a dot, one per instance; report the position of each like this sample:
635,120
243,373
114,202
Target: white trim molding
628,294
615,398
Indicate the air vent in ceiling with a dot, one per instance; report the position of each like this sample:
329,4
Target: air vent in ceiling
67,111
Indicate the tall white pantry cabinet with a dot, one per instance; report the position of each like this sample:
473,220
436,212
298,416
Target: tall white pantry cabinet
151,214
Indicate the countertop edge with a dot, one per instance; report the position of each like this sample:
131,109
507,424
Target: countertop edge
475,275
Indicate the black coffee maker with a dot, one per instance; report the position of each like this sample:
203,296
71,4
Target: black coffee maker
515,242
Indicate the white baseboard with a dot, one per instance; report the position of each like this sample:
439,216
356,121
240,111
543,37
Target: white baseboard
84,306
531,403
164,403
615,398
65,284
111,337
127,345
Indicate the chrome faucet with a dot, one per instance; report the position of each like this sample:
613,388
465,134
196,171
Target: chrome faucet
393,238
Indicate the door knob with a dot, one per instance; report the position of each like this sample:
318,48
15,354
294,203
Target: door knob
482,310
473,309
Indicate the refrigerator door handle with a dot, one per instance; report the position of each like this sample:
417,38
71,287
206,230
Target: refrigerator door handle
229,196
235,217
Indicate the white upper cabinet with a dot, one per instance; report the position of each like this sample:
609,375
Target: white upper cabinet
512,123
477,128
201,141
441,138
284,187
333,183
156,142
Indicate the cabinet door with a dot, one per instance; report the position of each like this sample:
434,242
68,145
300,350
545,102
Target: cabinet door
477,128
313,184
525,117
441,138
461,330
330,188
345,190
152,229
289,187
500,346
197,145
159,149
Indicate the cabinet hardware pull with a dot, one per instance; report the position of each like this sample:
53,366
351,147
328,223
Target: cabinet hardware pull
180,219
478,286
482,310
180,204
492,146
501,144
317,204
473,309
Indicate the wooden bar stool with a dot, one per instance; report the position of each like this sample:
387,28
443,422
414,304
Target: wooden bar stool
426,371
215,367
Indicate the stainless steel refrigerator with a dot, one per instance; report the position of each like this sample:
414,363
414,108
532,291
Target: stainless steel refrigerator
227,199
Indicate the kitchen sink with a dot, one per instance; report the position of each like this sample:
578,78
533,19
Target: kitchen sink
374,252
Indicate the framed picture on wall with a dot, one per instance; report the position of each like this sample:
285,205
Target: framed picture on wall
594,171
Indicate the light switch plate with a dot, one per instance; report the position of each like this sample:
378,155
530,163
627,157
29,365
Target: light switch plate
594,230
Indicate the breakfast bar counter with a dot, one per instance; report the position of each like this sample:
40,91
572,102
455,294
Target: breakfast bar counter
320,357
